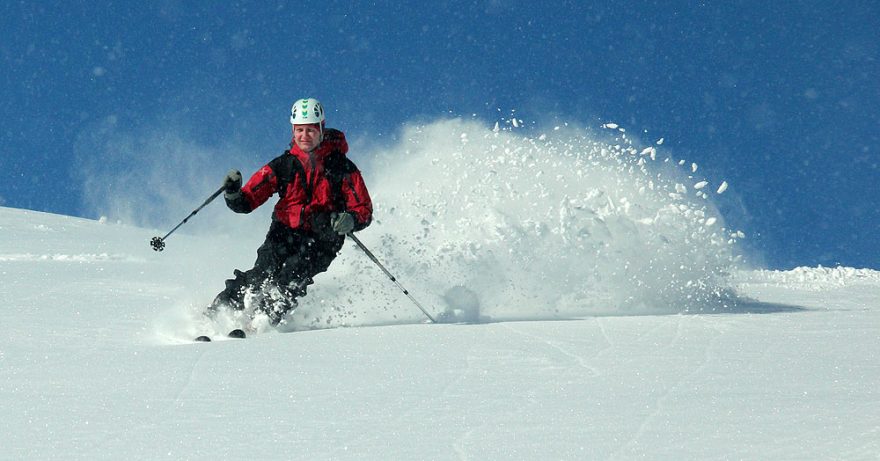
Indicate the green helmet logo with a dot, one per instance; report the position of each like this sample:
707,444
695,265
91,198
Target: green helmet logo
306,111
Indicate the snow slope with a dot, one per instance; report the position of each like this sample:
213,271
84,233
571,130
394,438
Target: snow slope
616,321
94,366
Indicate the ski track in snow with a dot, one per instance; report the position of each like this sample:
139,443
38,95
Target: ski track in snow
581,361
459,444
601,326
660,403
75,258
162,416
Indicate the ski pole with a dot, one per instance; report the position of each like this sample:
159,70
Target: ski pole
158,243
393,279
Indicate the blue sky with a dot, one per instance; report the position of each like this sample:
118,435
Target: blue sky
781,100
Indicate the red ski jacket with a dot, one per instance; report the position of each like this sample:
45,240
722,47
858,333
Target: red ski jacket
311,185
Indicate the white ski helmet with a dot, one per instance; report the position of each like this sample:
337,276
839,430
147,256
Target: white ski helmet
306,112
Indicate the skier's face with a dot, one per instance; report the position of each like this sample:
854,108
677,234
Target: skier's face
307,137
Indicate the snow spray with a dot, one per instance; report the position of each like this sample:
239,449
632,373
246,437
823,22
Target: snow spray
494,224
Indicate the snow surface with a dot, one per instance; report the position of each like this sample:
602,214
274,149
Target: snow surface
611,317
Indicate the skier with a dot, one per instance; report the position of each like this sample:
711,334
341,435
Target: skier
322,197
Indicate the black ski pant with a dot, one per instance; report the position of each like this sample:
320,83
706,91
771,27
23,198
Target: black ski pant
286,264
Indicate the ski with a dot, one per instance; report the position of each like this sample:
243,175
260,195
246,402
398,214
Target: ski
237,333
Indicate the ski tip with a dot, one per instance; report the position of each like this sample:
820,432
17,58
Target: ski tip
237,333
203,339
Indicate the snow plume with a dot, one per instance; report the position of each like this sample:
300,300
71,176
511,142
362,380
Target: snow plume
484,223
154,177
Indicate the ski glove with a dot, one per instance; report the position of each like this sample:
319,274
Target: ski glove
232,181
342,223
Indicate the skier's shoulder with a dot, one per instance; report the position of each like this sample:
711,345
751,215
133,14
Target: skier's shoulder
275,162
337,148
284,165
333,135
335,140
